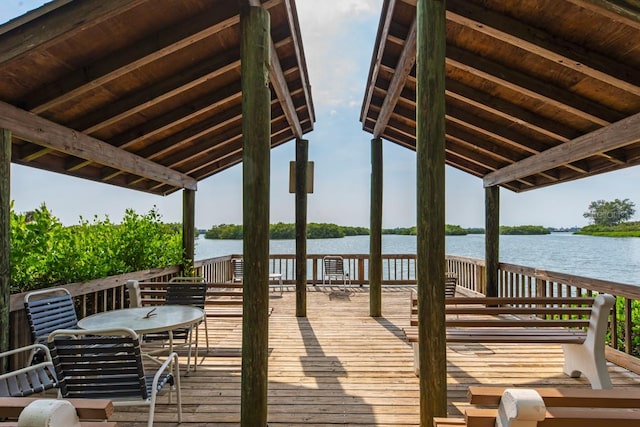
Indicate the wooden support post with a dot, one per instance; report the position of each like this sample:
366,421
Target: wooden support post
375,235
302,157
430,153
256,145
5,238
492,239
188,230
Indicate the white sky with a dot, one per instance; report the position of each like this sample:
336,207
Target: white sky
338,38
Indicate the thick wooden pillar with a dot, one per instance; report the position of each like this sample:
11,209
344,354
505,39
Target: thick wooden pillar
302,157
430,149
256,139
375,234
5,237
188,229
492,238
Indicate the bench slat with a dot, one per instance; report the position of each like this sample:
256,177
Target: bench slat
562,397
565,417
89,409
518,323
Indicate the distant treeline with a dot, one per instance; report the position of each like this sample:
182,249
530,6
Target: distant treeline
288,231
524,230
328,231
625,229
456,230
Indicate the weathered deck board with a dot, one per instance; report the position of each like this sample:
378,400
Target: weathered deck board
340,367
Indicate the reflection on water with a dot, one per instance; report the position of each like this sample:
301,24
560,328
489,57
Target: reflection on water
615,259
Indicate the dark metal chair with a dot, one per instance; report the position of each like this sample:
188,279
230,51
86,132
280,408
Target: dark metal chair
107,364
48,310
183,292
31,379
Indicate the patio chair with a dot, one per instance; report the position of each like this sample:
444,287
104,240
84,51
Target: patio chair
450,284
193,294
31,379
107,364
189,293
238,269
48,310
333,269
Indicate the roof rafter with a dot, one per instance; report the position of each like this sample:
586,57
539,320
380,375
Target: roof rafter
279,84
64,23
519,82
405,64
127,60
44,132
608,138
539,43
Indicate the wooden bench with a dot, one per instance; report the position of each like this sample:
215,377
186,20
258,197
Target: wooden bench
223,299
549,407
579,324
91,412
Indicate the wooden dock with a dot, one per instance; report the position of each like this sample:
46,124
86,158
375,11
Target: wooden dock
339,366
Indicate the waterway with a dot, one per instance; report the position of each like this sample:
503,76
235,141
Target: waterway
607,258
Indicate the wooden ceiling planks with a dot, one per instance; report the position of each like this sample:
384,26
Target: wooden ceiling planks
165,91
523,78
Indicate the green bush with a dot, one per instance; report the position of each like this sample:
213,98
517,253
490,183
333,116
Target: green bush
524,230
46,253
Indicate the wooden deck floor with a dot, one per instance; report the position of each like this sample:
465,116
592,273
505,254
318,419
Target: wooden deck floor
340,367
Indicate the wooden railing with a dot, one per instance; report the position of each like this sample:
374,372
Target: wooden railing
514,280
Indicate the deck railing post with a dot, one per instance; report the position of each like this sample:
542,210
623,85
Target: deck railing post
5,238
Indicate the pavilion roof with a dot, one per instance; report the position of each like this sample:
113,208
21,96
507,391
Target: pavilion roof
143,94
538,92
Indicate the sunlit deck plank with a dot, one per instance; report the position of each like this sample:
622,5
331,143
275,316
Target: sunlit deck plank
339,366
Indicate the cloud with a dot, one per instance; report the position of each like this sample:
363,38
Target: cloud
338,38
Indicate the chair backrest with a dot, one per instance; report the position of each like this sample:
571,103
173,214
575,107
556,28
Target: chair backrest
98,364
238,269
48,310
186,293
333,265
450,283
135,297
189,279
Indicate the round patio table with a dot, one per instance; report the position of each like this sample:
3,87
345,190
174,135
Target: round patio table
147,320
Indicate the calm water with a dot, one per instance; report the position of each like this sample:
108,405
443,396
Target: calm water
615,259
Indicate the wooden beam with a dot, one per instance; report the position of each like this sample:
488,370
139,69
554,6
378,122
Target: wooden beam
375,235
612,9
5,242
430,154
43,132
608,138
374,70
279,84
292,15
125,107
256,133
130,59
302,159
405,64
188,230
540,43
60,23
524,84
492,239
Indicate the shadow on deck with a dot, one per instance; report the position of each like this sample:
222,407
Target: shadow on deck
339,366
